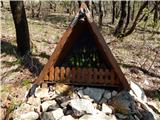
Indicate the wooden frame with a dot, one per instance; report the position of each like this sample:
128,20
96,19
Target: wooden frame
51,72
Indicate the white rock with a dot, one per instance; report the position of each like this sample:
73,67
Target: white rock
146,82
107,94
82,105
42,92
80,93
94,93
100,116
155,104
114,93
58,113
106,109
34,101
24,108
68,117
138,91
121,116
2,113
46,104
29,116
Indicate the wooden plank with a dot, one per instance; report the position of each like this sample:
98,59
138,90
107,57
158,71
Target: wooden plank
68,74
95,72
79,75
57,73
112,76
46,77
107,74
62,73
51,73
101,76
85,76
73,74
90,73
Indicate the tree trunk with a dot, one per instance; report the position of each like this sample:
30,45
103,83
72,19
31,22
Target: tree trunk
133,9
113,11
100,14
118,30
32,9
105,3
117,11
79,3
2,4
136,19
128,17
21,25
39,9
88,4
155,12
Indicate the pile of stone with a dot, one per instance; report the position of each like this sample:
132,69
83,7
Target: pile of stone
62,102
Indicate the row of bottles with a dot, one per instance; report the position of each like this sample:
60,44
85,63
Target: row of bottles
85,57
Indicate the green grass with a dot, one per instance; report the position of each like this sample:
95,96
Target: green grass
157,95
12,63
25,82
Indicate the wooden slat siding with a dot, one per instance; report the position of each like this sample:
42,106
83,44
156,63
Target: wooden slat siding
46,77
90,73
101,76
54,56
62,74
51,73
116,81
95,71
68,75
57,73
85,76
79,73
104,49
112,75
73,75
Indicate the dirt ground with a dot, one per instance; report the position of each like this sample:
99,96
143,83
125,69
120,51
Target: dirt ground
138,55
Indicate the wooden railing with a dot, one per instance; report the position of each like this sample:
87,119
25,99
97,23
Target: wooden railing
82,75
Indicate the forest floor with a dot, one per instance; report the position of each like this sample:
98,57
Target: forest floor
136,54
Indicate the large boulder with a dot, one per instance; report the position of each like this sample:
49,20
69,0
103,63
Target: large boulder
99,116
94,93
52,115
123,103
82,105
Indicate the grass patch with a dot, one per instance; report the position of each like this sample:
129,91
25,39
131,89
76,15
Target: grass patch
6,88
12,63
157,95
25,82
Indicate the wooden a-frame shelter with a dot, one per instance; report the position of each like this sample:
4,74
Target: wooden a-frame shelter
54,71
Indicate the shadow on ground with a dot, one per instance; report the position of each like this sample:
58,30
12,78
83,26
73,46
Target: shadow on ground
141,69
28,61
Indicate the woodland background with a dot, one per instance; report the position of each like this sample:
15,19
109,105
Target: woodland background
131,30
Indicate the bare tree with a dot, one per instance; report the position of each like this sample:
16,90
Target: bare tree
136,19
113,11
21,25
2,5
128,17
100,14
39,9
119,27
133,9
155,18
